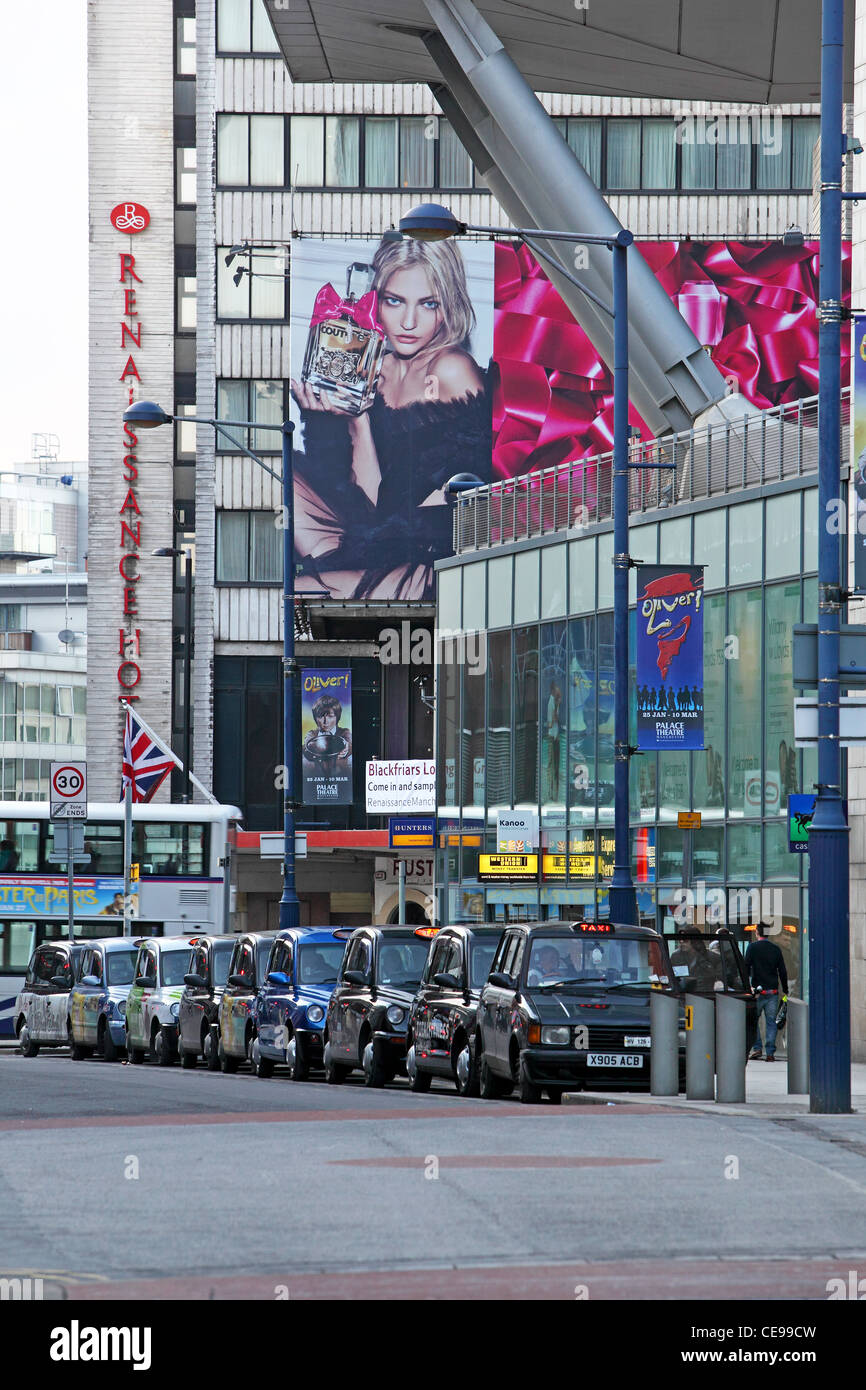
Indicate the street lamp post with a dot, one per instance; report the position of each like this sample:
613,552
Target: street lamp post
175,554
432,222
148,415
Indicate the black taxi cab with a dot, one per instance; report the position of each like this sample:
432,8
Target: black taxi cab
442,1022
368,1012
567,1007
198,1019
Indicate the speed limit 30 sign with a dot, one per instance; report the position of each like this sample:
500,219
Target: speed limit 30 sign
68,791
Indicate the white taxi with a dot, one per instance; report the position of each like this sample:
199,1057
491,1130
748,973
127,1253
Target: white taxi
153,1002
42,1008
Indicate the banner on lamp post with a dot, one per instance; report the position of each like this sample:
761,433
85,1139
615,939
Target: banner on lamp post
326,733
670,657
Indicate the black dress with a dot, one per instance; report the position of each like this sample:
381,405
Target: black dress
419,447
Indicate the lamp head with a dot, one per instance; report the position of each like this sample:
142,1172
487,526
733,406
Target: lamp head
462,482
146,415
793,237
431,222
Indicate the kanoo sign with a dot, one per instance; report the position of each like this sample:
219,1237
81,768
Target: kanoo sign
129,218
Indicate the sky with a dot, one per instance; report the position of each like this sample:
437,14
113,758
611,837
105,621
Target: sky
43,173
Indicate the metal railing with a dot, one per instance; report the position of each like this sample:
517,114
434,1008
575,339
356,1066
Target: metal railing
765,447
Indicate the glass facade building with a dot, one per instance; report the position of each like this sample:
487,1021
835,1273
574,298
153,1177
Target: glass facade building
525,720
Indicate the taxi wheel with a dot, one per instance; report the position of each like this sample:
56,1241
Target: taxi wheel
335,1074
229,1065
374,1069
297,1059
28,1047
466,1072
418,1080
160,1049
210,1050
554,1096
108,1048
528,1093
78,1051
489,1086
188,1059
135,1054
261,1066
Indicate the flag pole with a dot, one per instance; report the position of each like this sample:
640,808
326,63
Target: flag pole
127,855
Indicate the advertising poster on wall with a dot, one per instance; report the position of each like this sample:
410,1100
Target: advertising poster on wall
858,351
391,346
670,657
326,737
32,895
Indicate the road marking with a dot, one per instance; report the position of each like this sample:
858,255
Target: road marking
493,1161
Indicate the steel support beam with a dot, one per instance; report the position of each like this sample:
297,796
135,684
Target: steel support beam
538,180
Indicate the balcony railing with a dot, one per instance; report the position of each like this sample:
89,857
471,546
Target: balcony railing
16,641
765,447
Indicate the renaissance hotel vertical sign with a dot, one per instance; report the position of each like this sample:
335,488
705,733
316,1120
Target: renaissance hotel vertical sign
129,218
670,657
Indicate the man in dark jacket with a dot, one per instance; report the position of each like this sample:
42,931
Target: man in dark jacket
766,966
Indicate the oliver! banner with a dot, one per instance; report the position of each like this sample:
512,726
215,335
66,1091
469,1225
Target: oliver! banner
326,730
670,657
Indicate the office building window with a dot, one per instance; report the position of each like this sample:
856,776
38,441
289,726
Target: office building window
342,152
185,176
10,617
262,401
455,166
623,154
417,152
250,151
254,287
658,166
185,433
380,142
249,548
185,49
243,27
186,303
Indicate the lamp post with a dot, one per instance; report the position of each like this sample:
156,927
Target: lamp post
149,415
175,553
432,222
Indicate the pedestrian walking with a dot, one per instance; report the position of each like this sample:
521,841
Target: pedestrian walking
766,966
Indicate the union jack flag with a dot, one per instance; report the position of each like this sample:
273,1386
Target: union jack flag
146,761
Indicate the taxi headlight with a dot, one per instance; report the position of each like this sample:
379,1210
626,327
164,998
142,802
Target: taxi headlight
315,1013
395,1015
559,1036
121,1007
175,1010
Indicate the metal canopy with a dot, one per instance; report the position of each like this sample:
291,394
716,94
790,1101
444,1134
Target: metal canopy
742,50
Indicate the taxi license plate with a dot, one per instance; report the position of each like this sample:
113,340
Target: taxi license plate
613,1059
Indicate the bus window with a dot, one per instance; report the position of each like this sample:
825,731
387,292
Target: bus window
19,846
17,943
174,848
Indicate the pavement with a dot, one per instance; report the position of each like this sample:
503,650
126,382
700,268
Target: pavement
767,1095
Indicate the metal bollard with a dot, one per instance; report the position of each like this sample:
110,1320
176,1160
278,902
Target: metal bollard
700,1048
730,1048
798,1047
665,1052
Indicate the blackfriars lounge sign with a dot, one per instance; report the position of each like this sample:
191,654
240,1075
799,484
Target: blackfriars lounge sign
670,657
128,219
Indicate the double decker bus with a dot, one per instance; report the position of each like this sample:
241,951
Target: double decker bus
181,853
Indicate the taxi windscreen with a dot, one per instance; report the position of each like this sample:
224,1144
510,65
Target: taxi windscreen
173,965
120,967
222,952
557,961
320,964
401,963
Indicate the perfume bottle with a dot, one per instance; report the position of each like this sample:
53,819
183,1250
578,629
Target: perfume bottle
346,343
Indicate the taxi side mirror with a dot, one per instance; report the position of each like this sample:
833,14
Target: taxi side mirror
60,981
446,980
278,977
239,981
195,981
356,977
500,980
89,980
146,981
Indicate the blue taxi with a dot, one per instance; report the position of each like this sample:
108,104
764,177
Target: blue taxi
97,1004
292,1001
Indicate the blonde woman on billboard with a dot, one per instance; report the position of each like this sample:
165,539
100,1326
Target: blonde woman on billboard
371,514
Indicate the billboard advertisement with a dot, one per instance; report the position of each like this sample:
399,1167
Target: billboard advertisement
391,345
326,737
753,306
670,657
38,895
